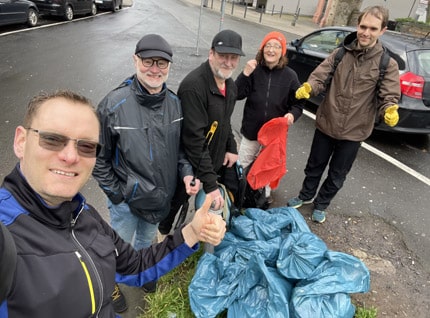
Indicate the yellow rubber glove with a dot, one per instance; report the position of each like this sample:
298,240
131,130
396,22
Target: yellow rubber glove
303,91
391,116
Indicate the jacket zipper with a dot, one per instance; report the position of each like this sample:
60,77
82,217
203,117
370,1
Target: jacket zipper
81,251
90,284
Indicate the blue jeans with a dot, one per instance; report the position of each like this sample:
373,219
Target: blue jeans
130,227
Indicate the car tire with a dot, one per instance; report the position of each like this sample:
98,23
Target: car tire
32,17
93,9
68,13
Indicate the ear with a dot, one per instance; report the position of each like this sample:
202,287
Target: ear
135,59
19,141
383,30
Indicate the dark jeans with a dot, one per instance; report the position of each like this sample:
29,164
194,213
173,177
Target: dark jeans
339,155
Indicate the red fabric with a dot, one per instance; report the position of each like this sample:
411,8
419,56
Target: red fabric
271,164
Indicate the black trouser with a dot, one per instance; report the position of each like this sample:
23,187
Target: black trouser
180,198
339,155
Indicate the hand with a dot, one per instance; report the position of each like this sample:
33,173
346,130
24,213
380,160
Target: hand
205,226
290,118
249,67
191,189
230,159
217,201
304,91
391,116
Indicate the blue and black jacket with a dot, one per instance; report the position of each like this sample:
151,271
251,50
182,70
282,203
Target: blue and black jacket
68,257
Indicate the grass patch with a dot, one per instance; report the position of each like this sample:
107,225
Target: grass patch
171,299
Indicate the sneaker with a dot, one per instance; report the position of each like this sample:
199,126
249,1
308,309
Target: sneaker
296,202
318,216
150,287
118,300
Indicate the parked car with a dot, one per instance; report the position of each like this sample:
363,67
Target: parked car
112,5
66,9
18,11
412,54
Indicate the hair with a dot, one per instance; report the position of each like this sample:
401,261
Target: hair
38,100
283,61
377,11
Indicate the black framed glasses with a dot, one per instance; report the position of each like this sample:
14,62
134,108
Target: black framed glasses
56,142
161,63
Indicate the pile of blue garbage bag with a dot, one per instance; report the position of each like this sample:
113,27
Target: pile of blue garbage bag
271,265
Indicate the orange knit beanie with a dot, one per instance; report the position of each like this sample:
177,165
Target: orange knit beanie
277,36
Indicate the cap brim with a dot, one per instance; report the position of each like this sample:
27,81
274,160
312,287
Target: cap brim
154,53
228,50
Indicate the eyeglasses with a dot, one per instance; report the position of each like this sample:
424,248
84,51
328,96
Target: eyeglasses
56,142
161,63
275,47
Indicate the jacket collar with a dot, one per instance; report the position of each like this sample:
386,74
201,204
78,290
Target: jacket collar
36,207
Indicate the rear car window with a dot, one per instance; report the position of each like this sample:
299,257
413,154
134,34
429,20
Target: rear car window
421,62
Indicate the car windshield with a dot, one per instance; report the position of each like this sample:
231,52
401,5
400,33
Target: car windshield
325,41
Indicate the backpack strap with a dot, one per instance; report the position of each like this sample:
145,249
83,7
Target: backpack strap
337,58
383,64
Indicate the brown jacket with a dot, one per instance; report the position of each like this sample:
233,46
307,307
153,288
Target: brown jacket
350,106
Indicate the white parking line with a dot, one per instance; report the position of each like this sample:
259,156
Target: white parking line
386,157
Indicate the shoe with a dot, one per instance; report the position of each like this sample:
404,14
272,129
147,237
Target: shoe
150,287
118,300
318,216
296,202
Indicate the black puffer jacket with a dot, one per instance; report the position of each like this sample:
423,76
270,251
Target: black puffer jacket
270,93
142,155
68,256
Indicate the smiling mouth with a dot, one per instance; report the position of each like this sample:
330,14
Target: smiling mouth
63,173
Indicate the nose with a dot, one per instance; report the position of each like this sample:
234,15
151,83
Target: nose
70,152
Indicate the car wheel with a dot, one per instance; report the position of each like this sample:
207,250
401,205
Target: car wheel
93,9
68,13
32,17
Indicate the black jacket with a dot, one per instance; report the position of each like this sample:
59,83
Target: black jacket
68,256
142,156
202,104
269,93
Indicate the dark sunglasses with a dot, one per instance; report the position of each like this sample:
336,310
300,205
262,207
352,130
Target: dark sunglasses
56,142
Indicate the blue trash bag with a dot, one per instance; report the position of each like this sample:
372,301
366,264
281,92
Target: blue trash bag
215,286
264,225
300,254
235,249
323,306
268,295
338,273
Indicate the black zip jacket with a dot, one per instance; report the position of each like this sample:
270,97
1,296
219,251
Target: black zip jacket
142,156
269,93
202,104
68,256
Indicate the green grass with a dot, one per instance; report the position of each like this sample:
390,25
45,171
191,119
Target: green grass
171,298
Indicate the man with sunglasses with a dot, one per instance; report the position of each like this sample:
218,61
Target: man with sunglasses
67,256
142,158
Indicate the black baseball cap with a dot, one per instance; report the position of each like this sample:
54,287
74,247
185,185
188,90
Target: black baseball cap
154,45
228,41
